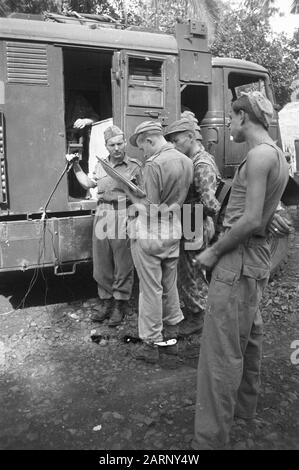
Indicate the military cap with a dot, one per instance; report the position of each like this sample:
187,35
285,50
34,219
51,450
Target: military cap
189,115
146,126
198,134
261,107
181,125
112,131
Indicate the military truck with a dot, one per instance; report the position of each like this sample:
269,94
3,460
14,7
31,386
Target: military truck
130,76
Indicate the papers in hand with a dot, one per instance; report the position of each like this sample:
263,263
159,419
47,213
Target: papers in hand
116,175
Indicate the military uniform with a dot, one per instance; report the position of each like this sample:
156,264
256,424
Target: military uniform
167,176
112,260
193,290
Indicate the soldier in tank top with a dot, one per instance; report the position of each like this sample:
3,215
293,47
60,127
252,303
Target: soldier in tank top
230,356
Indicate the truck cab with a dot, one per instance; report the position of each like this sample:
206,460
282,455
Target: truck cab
231,77
128,76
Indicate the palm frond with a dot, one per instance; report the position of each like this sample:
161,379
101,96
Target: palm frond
295,7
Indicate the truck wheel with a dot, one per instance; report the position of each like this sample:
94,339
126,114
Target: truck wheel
279,254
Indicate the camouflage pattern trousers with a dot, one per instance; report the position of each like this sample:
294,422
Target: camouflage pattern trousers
193,291
231,348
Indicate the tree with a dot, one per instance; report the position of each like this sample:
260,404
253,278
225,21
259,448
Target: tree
246,34
207,11
265,7
294,46
154,15
295,7
29,6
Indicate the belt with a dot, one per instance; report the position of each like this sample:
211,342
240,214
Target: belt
115,204
251,237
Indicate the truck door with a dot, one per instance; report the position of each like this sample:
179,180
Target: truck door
34,124
235,82
144,87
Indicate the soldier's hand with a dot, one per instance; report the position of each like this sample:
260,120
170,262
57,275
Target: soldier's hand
207,259
280,226
72,157
81,123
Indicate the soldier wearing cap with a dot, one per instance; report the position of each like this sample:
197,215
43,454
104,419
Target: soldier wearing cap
191,116
167,175
113,267
192,289
231,345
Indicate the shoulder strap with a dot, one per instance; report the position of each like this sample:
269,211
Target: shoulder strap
278,149
223,192
134,160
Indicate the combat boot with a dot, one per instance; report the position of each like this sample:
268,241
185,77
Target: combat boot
147,352
102,310
169,345
190,325
118,313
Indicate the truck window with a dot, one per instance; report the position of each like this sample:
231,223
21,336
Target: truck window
238,83
145,83
195,99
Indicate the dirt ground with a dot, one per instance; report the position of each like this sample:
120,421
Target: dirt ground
61,390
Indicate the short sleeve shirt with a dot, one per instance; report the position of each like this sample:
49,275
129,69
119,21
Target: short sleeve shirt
108,190
167,176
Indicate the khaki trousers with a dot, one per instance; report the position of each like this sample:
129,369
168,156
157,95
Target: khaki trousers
230,357
159,304
113,267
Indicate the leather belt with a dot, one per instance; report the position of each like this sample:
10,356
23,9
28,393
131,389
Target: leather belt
115,204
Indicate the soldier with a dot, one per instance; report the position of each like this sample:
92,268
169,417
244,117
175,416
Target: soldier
230,353
112,261
185,135
167,175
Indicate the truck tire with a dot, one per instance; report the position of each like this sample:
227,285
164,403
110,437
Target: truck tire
279,254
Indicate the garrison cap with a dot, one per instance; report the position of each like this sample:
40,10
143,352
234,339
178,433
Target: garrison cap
112,131
261,107
189,115
181,125
146,126
198,134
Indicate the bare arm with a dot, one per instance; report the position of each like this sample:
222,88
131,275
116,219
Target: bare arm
257,170
82,177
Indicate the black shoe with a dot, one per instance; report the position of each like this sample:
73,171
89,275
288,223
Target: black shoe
170,331
169,354
118,313
189,326
170,335
170,349
147,352
102,311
